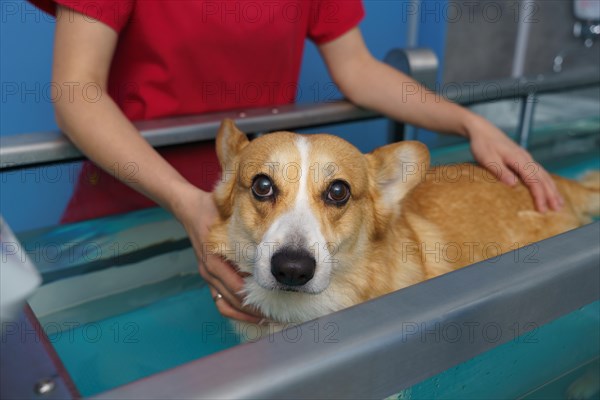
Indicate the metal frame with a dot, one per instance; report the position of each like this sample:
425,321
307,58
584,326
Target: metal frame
29,366
376,350
526,119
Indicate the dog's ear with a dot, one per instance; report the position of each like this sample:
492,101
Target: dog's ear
230,141
394,170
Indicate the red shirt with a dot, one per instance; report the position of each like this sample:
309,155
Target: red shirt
178,57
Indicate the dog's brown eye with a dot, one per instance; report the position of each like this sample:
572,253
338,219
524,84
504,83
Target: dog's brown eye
338,193
262,187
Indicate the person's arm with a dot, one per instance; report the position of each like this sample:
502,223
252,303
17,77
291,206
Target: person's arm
372,84
83,53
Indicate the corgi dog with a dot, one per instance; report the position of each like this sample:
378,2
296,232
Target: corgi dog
318,226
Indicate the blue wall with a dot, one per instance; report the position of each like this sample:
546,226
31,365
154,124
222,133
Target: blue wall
26,36
33,197
36,197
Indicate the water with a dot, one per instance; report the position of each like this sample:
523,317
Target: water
540,364
563,386
108,353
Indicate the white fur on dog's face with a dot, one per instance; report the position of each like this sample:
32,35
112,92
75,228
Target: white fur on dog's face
298,227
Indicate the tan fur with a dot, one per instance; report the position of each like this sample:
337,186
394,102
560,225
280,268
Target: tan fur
405,222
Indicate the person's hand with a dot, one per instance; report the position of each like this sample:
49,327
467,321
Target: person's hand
197,212
507,160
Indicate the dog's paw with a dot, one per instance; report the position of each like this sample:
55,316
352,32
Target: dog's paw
586,387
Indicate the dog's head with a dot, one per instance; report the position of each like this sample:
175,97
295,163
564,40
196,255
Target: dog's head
299,212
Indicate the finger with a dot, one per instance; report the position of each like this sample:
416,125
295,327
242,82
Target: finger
556,200
541,185
538,191
206,271
548,195
233,300
225,273
531,174
230,312
497,167
539,195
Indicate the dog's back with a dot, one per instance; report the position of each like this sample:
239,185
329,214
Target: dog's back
461,214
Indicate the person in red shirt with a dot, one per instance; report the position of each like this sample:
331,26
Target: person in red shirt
167,58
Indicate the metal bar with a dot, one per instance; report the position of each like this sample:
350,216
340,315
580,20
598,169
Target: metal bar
370,352
412,27
520,54
514,88
526,119
20,151
422,65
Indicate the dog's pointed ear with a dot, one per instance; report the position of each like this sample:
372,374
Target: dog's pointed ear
230,141
394,170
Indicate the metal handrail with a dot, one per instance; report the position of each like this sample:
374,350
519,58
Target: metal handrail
25,150
468,93
18,151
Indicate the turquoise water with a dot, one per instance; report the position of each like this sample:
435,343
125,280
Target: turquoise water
561,386
574,169
110,352
540,364
121,349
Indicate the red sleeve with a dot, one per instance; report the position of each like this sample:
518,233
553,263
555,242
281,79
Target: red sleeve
330,19
114,13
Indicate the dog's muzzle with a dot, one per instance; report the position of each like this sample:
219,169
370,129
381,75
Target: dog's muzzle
293,266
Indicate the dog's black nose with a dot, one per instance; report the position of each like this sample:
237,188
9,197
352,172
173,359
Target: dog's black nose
292,266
